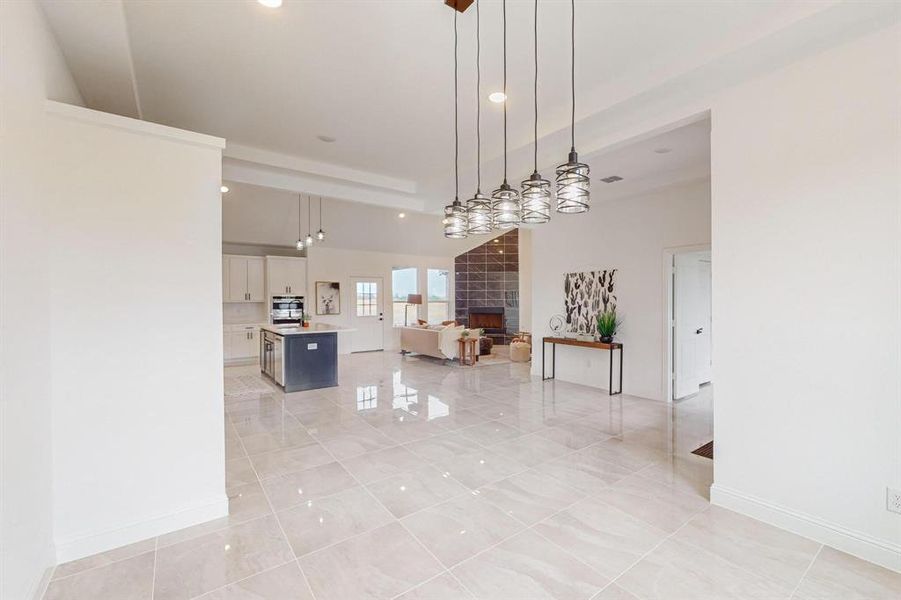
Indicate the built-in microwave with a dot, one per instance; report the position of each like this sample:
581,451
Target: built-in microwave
286,310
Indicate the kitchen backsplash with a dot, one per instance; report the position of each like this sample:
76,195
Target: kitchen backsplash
238,312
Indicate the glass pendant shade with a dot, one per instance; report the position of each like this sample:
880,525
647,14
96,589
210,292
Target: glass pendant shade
573,186
478,214
455,222
536,200
309,240
299,245
320,235
506,211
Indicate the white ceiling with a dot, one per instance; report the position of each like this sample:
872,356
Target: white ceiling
378,76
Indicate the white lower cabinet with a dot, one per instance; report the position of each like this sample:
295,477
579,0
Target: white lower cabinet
241,341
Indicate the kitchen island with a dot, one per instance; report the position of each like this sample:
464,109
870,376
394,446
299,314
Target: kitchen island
300,358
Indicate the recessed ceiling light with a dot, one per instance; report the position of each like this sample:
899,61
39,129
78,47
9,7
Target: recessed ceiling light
223,189
325,138
497,97
662,150
401,215
495,240
270,3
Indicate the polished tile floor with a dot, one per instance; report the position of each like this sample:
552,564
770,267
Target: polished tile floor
413,480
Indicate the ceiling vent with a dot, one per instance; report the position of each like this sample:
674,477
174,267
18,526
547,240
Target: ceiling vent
611,179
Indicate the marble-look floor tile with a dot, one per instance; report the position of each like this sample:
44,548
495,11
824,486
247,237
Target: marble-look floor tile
481,468
443,587
689,473
259,443
281,583
456,530
309,484
267,423
203,564
128,579
239,472
583,472
602,536
835,575
373,466
353,438
531,449
756,546
614,592
675,570
316,524
104,558
247,502
653,502
530,496
375,565
490,432
574,435
414,490
282,462
443,448
631,456
528,566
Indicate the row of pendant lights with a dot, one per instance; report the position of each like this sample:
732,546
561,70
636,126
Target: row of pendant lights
320,235
505,208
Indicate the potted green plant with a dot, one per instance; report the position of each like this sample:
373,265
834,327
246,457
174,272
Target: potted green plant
305,319
608,324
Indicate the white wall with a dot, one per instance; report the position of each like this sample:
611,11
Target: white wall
333,264
31,70
136,340
806,174
628,234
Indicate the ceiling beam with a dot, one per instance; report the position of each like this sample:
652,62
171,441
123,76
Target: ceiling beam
459,5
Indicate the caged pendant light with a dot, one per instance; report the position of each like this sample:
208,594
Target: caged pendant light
536,190
572,177
320,235
478,208
299,243
506,211
455,220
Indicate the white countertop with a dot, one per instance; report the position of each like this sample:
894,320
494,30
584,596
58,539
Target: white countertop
313,328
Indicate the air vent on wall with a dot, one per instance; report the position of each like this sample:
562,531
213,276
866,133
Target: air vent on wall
611,179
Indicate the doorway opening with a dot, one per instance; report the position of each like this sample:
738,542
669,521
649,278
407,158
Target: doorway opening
689,323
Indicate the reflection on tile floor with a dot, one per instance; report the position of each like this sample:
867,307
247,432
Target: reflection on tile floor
413,480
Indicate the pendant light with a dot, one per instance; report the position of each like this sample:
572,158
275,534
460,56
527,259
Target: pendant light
572,177
320,235
309,240
506,211
299,244
536,190
478,208
455,221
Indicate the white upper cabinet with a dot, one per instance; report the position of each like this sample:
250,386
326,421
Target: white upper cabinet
243,279
286,276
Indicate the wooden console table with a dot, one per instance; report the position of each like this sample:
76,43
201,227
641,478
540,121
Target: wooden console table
553,341
472,345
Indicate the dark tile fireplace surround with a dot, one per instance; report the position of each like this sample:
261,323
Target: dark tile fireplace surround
487,287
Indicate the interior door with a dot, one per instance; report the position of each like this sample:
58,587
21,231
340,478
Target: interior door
687,323
367,314
705,355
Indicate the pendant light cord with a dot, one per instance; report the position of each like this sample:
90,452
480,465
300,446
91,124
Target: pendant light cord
456,122
299,224
320,213
478,100
309,213
536,86
505,89
573,71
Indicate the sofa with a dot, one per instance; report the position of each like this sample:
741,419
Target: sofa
437,341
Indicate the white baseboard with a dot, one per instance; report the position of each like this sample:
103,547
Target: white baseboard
43,584
87,545
855,543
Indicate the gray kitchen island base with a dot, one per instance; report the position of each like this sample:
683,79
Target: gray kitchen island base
300,360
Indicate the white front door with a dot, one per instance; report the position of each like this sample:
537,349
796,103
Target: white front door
368,314
691,341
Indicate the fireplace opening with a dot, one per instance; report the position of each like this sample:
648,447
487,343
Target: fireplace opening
490,319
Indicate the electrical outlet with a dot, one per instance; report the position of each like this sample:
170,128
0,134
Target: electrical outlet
893,500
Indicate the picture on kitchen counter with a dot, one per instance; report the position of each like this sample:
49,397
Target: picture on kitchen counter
328,298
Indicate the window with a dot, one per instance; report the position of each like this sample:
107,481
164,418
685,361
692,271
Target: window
367,299
403,283
438,296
